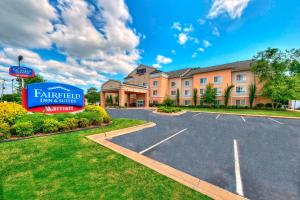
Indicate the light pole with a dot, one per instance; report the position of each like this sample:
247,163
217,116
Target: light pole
20,58
3,87
12,86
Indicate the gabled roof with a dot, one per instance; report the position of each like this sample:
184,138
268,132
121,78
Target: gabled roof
235,66
178,73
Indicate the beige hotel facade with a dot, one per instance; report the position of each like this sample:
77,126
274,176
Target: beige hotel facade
147,85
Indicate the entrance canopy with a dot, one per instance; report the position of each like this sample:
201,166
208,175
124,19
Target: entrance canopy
128,94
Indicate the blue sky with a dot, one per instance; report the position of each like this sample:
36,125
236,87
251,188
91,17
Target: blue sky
85,43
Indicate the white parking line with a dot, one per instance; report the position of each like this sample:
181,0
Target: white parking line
275,121
149,148
238,177
197,114
218,116
243,119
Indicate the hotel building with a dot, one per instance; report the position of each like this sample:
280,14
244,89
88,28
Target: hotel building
147,85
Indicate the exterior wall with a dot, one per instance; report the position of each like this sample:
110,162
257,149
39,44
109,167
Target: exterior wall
186,99
161,88
140,79
226,80
110,85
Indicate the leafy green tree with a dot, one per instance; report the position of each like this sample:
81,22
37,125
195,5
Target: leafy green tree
177,97
168,101
210,94
37,79
111,101
279,73
117,99
12,98
92,95
195,97
252,93
227,94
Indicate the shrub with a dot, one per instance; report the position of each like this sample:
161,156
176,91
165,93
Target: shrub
83,122
51,125
268,105
4,130
169,109
168,102
63,116
22,129
36,119
9,112
105,116
260,105
93,117
70,123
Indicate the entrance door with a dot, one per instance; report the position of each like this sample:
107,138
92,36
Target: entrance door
140,103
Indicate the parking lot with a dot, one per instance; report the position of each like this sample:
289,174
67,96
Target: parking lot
257,157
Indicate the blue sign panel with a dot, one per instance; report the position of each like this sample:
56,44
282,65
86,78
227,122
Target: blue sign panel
23,72
44,94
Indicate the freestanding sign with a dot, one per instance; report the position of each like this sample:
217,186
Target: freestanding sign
53,98
22,72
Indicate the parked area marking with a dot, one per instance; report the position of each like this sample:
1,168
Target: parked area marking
218,116
275,121
238,177
197,114
243,119
164,140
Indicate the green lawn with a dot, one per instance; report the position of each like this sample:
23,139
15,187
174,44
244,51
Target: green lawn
69,166
247,111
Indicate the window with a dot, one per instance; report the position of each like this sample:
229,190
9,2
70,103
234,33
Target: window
240,102
186,83
203,81
145,84
173,93
218,102
240,78
217,79
240,90
219,91
187,102
173,84
154,92
187,93
202,91
155,83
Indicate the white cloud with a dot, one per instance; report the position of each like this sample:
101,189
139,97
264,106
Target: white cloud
234,8
156,65
173,52
176,25
160,59
215,31
206,43
188,28
200,49
163,60
26,23
194,55
70,72
201,21
182,38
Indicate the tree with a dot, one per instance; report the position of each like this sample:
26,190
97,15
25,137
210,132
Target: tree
37,79
227,94
92,95
177,97
111,101
12,98
252,93
168,101
210,94
117,99
195,97
279,73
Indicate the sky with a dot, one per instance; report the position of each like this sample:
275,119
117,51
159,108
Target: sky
87,42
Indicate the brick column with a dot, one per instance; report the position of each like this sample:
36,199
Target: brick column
121,97
102,99
147,99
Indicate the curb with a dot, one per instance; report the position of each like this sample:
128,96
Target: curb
192,182
169,114
250,115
